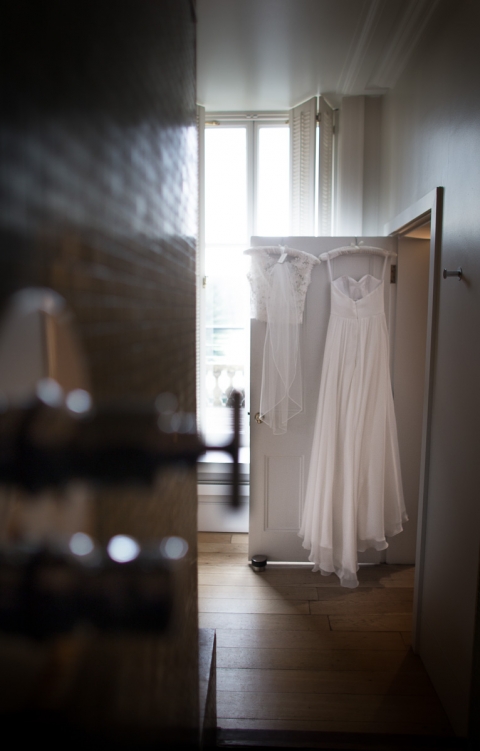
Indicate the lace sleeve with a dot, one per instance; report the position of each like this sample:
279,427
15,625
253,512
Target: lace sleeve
260,276
279,284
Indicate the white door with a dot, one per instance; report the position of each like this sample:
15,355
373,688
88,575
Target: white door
279,463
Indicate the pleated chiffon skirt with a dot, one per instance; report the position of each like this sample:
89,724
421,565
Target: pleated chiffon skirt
354,496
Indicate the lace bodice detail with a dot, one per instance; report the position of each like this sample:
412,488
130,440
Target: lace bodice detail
260,276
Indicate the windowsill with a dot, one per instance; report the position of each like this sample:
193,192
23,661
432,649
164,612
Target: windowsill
221,457
214,467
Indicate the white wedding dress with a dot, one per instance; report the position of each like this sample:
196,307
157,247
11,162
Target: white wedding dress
354,497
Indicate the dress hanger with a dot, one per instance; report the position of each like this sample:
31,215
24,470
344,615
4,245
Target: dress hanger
281,250
357,248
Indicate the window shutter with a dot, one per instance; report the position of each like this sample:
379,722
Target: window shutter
325,169
303,122
200,266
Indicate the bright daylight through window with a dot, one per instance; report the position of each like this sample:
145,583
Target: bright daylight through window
246,193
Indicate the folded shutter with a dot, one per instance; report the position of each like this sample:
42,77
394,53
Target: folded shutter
325,168
303,123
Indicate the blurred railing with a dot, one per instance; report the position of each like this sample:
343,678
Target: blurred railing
221,381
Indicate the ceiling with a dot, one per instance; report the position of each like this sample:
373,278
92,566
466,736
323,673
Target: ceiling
255,55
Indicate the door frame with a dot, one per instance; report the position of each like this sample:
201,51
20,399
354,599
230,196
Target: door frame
430,207
291,551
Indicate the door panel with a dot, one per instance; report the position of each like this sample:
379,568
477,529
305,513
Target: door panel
284,477
279,463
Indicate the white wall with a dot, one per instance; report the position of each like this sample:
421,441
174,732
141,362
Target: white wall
350,169
431,137
215,512
372,166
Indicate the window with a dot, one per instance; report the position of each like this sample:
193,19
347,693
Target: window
256,171
273,181
246,193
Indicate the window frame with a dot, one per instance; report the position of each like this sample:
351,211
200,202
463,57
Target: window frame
252,124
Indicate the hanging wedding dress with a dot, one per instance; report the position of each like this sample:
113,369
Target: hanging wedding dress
354,496
279,279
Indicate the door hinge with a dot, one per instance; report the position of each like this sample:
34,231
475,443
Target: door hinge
393,274
204,282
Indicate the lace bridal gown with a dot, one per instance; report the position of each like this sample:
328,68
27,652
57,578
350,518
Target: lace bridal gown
354,497
279,279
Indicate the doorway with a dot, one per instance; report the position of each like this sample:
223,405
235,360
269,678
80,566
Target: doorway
424,217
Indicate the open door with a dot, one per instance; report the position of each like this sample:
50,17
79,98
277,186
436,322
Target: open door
279,463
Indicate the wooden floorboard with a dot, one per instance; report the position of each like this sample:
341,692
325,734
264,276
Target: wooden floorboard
235,605
234,577
209,537
236,565
372,622
310,681
372,660
344,607
307,706
298,652
256,593
321,640
335,726
236,537
264,621
218,547
230,559
366,594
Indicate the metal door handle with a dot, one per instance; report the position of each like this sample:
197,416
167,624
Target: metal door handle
258,418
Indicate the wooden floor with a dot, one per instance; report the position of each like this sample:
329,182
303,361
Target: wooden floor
297,652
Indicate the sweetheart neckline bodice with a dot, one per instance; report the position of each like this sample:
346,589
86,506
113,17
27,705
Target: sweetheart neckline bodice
351,281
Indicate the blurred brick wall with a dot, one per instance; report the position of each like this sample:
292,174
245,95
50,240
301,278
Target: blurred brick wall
98,200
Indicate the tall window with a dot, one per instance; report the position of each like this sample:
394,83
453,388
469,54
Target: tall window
246,193
269,176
